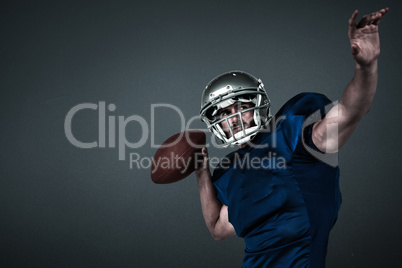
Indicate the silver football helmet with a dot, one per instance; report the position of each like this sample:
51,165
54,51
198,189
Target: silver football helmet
227,89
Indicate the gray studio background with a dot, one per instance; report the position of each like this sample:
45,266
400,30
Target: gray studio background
62,206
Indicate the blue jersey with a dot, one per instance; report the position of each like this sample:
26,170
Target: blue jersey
281,199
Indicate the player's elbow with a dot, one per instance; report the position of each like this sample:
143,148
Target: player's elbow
319,139
215,233
326,145
220,233
218,236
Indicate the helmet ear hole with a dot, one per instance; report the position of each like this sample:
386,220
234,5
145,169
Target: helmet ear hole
210,114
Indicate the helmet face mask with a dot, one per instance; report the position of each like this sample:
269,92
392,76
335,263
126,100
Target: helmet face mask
226,90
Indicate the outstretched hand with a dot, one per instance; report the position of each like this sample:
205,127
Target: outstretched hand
364,38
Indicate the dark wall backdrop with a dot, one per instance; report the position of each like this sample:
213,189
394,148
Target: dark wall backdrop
62,206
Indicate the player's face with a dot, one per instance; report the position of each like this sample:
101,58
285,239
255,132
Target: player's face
234,122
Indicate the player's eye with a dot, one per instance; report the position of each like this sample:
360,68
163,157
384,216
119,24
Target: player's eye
244,107
223,113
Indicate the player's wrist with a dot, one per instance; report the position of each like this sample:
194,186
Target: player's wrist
367,68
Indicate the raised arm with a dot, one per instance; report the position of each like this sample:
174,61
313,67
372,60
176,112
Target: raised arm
214,212
331,133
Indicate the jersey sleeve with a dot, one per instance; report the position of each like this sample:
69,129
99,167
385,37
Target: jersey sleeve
309,108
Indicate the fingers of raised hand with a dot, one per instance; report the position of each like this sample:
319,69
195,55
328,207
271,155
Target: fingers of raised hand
381,14
371,19
352,19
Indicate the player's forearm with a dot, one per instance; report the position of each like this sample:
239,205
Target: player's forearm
359,93
210,205
332,133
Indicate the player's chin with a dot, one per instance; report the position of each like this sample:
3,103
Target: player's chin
237,130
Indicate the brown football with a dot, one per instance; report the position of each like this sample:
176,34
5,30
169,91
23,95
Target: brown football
176,157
